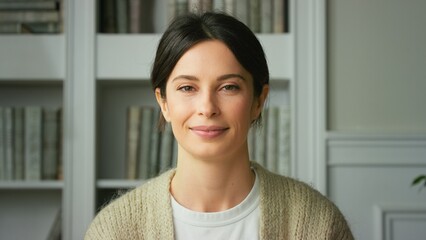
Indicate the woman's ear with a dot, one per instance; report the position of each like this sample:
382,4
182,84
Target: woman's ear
162,103
259,102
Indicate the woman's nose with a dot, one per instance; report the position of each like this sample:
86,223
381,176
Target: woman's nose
207,105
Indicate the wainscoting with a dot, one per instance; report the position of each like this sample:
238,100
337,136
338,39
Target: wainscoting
369,178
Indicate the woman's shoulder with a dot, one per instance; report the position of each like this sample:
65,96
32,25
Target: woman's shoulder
290,191
133,208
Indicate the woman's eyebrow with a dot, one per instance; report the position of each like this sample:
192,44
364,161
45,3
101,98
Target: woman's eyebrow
220,78
187,77
231,75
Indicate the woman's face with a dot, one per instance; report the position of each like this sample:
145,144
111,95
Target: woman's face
210,102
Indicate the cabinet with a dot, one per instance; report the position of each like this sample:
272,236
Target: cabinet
94,77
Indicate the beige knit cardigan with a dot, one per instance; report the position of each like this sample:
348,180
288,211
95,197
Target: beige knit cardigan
289,210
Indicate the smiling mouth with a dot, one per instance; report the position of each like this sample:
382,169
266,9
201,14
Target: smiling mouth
208,131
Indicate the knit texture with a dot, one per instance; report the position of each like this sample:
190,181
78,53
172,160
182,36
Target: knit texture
289,210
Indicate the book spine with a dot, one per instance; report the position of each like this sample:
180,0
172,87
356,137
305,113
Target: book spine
33,137
181,7
278,16
206,5
8,141
254,15
2,145
272,139
284,157
229,7
145,143
108,20
260,137
166,148
241,11
60,170
155,145
133,122
195,6
18,143
134,16
251,143
171,10
266,16
50,144
122,16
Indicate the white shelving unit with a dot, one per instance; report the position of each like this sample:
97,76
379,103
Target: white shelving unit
32,73
94,77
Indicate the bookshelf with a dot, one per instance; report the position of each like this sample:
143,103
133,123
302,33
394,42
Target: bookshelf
94,77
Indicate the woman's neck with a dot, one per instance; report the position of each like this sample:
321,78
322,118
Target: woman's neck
213,185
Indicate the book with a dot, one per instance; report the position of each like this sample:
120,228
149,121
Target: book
133,125
155,145
145,141
50,144
2,145
284,146
166,149
272,138
206,5
181,7
18,150
122,15
278,16
254,15
259,149
33,138
266,16
229,6
60,170
134,16
107,16
241,11
195,6
171,10
8,143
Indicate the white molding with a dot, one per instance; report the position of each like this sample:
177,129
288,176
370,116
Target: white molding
387,213
310,92
380,150
79,118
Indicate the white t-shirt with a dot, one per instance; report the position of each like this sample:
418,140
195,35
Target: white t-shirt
239,222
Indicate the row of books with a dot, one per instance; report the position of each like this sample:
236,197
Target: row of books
136,16
30,143
150,152
31,16
270,144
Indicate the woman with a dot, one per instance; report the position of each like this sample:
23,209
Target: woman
211,80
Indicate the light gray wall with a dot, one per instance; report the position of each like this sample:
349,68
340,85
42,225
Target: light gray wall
376,66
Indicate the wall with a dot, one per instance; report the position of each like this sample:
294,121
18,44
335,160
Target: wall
376,119
377,73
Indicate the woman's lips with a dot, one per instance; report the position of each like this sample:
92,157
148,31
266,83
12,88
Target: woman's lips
208,131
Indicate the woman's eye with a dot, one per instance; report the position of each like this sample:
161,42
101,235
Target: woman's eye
231,87
186,88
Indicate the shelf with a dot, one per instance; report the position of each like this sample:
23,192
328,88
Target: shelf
31,185
127,56
34,57
119,184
